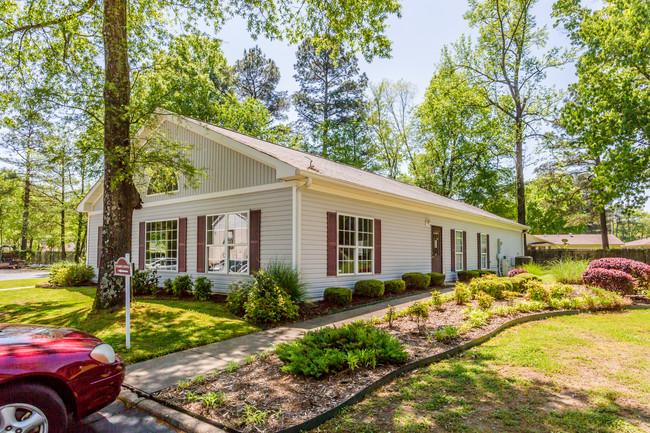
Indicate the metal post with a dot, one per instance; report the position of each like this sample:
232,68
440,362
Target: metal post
128,305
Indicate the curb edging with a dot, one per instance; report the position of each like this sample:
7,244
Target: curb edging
195,423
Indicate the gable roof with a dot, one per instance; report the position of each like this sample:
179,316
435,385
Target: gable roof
588,239
638,243
306,164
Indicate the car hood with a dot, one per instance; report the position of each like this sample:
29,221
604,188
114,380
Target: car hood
36,335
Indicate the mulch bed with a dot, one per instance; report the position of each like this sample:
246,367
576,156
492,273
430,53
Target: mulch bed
290,399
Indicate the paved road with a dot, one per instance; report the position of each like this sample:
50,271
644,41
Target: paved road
22,274
116,418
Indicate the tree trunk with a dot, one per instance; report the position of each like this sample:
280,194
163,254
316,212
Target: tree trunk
603,229
63,255
521,186
24,231
120,194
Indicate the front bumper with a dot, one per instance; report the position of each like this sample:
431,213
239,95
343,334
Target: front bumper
98,391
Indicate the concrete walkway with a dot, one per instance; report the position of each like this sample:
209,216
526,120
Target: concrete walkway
158,373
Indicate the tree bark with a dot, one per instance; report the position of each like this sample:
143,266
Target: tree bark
120,194
24,231
603,229
521,186
63,254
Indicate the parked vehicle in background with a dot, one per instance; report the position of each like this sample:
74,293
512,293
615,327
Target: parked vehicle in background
48,373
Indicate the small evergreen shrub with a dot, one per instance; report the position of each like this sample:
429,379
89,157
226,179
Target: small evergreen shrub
467,276
395,286
288,278
167,288
638,270
328,350
536,291
416,281
369,288
610,279
516,271
70,274
559,290
182,286
462,293
436,300
144,282
267,302
436,279
484,300
202,288
338,295
237,296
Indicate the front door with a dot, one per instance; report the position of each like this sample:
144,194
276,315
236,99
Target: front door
436,249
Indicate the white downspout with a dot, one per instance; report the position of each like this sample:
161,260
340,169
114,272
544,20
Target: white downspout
297,220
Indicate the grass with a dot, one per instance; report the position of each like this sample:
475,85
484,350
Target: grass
578,374
10,284
565,271
158,327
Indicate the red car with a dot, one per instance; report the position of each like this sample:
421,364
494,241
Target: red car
48,373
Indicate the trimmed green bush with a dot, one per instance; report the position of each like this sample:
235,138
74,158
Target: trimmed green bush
467,276
436,279
519,281
338,295
166,288
370,288
416,281
238,295
330,350
395,286
70,274
267,302
288,278
492,286
202,288
484,300
182,286
144,282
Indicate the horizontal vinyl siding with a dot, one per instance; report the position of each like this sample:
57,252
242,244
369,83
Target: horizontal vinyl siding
406,241
94,221
225,168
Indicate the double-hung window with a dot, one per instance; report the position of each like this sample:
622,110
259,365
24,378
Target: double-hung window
484,251
460,249
161,245
356,243
227,243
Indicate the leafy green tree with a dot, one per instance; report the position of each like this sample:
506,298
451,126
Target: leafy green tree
68,40
510,62
257,78
331,94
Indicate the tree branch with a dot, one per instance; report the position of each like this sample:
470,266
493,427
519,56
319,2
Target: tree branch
85,8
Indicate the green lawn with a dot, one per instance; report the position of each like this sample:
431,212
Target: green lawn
10,284
587,373
158,327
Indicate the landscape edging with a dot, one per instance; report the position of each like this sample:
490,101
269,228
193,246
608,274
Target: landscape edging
361,395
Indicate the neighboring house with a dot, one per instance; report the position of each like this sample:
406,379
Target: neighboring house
262,201
571,241
638,244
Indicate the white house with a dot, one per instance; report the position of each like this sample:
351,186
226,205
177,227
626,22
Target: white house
262,201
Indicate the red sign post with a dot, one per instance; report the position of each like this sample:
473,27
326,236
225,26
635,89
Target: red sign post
124,268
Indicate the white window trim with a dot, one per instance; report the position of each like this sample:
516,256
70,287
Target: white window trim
456,253
226,245
177,241
484,254
356,247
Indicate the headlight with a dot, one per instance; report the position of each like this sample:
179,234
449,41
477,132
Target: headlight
103,353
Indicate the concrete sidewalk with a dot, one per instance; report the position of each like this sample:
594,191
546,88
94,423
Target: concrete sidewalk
158,373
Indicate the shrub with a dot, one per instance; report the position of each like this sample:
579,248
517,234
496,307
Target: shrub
535,269
559,290
144,282
167,287
182,286
638,270
436,279
568,271
466,276
516,271
70,274
610,279
238,295
390,316
370,288
267,302
536,291
338,295
509,295
485,301
419,313
327,350
436,300
474,318
462,293
202,288
446,334
519,281
491,286
395,286
416,281
288,278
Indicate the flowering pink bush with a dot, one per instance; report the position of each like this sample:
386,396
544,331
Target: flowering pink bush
517,271
638,270
610,279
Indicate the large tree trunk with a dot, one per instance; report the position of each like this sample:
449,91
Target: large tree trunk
24,231
603,229
521,186
120,194
63,255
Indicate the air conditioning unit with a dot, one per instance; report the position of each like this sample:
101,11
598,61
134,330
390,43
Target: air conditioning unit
504,265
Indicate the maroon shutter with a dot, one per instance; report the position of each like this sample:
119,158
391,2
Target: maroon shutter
377,246
331,244
453,250
182,245
141,242
200,244
100,234
478,250
464,250
487,240
255,230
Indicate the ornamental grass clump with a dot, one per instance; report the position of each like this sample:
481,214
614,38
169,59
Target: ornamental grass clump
639,270
288,278
568,271
610,279
328,350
